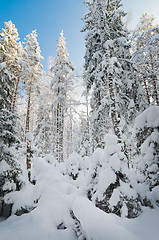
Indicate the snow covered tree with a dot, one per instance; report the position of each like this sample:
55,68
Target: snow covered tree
31,73
109,70
61,69
146,56
9,167
10,55
43,131
93,48
18,73
68,133
85,146
116,100
111,185
10,170
147,147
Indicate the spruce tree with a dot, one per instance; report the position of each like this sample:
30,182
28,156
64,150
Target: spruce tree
10,55
116,100
109,70
147,146
10,171
61,69
112,186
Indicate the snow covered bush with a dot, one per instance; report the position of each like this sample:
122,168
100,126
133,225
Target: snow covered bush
147,136
73,165
111,186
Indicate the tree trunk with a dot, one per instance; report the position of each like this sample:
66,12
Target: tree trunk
59,131
115,121
12,94
69,134
154,80
88,126
15,93
61,126
28,158
146,89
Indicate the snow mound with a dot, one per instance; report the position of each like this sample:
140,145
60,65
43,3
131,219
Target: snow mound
56,198
98,225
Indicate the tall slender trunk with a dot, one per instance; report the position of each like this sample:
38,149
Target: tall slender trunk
11,102
115,121
59,130
88,125
154,79
146,89
15,93
89,150
69,134
28,157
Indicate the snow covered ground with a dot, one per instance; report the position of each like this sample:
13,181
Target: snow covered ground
51,219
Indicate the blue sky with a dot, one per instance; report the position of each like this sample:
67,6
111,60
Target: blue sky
49,17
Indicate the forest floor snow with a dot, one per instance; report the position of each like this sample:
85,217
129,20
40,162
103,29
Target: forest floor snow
51,218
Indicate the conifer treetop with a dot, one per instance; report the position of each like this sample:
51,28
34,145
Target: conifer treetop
61,47
9,45
32,56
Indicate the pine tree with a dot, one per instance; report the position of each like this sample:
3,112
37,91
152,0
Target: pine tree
9,167
109,70
31,73
61,69
146,56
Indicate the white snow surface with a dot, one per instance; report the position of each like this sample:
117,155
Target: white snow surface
149,118
57,196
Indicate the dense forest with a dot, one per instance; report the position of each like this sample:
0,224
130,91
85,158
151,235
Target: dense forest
73,142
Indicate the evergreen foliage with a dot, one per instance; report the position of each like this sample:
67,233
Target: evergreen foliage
147,146
10,171
146,45
112,185
115,169
31,67
61,69
109,69
43,133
